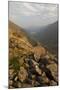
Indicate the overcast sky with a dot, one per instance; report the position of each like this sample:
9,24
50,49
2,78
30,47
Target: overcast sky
32,14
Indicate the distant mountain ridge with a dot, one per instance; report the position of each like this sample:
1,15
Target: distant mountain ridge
48,36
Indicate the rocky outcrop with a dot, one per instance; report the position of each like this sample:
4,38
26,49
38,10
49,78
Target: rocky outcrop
39,51
22,75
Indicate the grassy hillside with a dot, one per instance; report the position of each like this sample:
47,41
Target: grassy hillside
18,41
27,61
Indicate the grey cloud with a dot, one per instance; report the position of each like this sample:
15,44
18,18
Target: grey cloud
36,13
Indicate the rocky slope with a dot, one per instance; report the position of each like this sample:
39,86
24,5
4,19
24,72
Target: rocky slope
29,66
18,41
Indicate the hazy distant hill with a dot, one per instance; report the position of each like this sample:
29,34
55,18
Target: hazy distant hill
48,36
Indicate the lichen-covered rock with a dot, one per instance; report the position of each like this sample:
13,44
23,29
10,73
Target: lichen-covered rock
53,83
10,82
19,84
11,73
15,84
22,75
54,70
26,85
11,87
36,84
45,79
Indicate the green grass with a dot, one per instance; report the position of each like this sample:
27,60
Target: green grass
15,63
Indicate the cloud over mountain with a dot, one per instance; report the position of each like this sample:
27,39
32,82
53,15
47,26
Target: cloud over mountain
24,13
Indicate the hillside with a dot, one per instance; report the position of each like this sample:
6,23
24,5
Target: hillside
18,41
48,36
29,65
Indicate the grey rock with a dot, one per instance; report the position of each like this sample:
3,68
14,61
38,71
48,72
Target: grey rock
10,82
52,83
19,84
11,73
54,70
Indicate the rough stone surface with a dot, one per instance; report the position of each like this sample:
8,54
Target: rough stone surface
10,82
22,75
19,84
53,68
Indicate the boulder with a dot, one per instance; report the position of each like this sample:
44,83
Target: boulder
22,75
52,83
11,73
54,70
39,51
10,82
11,87
19,84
